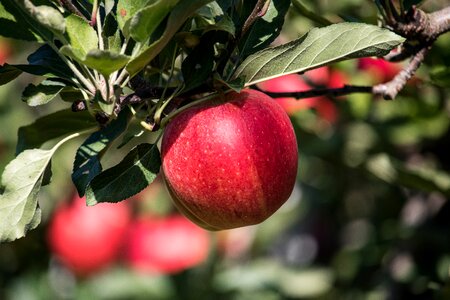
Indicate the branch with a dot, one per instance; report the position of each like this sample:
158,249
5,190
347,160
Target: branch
422,27
259,11
440,21
335,92
421,30
389,90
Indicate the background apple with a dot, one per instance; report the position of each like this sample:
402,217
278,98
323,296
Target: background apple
87,239
165,244
5,50
320,77
230,162
379,69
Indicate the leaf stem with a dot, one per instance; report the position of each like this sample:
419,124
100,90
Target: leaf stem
83,80
94,13
101,44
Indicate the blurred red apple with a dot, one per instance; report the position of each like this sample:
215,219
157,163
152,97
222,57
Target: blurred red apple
165,245
320,77
337,79
87,239
5,51
230,162
380,69
296,83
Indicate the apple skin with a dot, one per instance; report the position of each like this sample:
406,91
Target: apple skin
165,245
230,162
87,239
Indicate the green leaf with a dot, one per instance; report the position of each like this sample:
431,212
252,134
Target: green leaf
126,9
48,62
214,9
180,13
265,29
146,20
47,16
109,5
43,93
70,94
318,47
134,173
87,159
8,73
115,42
82,36
50,127
104,61
43,62
21,182
15,24
394,172
236,85
224,24
134,130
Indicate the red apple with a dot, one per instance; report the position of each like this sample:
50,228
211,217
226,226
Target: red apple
379,69
87,239
165,245
230,162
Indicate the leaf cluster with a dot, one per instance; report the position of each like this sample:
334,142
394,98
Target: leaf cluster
125,63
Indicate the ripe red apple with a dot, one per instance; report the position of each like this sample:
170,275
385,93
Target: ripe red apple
165,245
230,162
380,69
87,239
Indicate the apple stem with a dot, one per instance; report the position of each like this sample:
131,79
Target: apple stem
191,104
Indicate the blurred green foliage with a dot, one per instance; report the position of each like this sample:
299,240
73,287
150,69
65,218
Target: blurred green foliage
369,217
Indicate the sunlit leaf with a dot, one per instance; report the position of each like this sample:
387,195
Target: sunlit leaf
82,36
104,61
21,182
47,16
318,47
126,9
180,13
42,93
16,24
146,20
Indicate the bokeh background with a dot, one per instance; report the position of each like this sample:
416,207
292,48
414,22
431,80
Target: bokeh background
369,217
